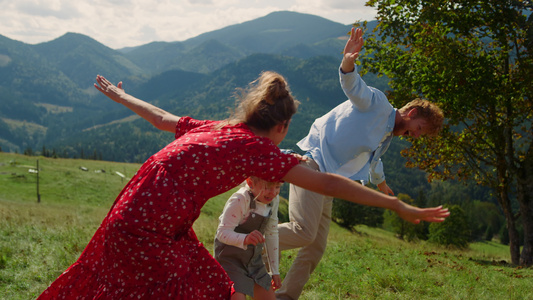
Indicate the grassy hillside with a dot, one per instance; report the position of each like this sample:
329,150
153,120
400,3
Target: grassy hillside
38,241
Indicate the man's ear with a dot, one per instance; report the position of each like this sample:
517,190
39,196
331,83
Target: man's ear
412,113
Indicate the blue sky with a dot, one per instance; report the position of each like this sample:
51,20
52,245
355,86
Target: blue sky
124,23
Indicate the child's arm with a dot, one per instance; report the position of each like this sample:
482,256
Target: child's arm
234,212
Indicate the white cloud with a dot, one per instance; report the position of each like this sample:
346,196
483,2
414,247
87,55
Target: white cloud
342,11
62,9
122,23
203,2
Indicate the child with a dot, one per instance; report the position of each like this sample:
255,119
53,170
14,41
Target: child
250,219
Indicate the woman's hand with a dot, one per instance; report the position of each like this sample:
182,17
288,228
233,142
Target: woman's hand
300,158
415,215
116,93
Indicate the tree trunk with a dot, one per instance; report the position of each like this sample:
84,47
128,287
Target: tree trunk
526,211
514,239
503,197
524,196
514,242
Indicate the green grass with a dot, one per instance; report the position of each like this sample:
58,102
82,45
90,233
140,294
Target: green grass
373,264
38,241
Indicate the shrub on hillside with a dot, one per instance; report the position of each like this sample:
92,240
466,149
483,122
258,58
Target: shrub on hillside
349,214
454,231
403,229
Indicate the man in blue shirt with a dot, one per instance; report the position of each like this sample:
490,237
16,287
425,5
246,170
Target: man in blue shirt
349,140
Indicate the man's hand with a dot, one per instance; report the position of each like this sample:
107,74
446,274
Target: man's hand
351,50
385,189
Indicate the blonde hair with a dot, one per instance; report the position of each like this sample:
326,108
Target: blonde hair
257,180
265,103
427,110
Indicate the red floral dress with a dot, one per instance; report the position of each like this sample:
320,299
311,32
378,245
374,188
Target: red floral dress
145,247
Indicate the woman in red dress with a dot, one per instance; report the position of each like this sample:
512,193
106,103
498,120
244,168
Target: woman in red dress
146,248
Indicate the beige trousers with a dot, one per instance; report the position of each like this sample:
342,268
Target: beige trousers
310,216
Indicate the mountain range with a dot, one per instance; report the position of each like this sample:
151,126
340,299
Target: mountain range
48,105
48,99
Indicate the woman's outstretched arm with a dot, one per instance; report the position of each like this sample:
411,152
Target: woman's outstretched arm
344,188
158,117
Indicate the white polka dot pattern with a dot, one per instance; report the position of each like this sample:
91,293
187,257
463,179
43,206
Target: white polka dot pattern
145,248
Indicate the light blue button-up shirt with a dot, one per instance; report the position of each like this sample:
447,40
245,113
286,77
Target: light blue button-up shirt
350,139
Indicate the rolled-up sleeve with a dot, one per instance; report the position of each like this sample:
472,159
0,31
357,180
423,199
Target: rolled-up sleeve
377,175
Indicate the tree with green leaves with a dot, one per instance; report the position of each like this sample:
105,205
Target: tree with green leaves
474,58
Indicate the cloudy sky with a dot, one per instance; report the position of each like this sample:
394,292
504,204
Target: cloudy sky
124,23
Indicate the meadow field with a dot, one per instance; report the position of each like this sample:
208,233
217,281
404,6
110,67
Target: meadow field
39,240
